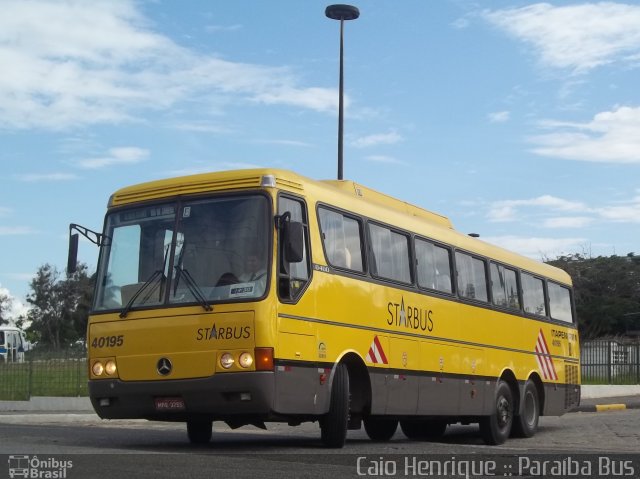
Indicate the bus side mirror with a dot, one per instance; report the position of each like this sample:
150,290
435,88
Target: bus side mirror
72,259
293,240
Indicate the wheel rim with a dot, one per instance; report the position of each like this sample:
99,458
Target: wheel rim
503,412
529,409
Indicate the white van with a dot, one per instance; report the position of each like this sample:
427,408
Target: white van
13,344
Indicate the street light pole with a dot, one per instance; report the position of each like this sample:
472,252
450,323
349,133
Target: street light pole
342,13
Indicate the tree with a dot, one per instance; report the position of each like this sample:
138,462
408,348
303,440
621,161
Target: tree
59,308
5,305
606,293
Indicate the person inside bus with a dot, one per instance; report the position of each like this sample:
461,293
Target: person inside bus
255,272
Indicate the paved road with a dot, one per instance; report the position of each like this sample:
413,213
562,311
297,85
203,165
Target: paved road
119,449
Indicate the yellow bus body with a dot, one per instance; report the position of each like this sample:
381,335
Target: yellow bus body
439,355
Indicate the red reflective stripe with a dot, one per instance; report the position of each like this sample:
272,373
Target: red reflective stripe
379,349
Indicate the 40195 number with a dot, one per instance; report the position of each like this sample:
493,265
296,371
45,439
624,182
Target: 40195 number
107,342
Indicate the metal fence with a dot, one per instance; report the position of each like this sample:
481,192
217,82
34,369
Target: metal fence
63,373
610,361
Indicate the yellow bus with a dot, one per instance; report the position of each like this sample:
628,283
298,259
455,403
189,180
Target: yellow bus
258,296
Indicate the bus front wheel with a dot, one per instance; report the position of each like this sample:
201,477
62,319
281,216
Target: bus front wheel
495,429
199,432
333,425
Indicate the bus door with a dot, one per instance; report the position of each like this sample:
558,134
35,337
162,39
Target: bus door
296,370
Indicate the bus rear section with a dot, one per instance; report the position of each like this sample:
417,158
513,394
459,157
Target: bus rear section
13,345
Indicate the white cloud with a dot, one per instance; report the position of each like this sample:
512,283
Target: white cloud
626,212
384,159
222,28
578,37
460,23
508,210
302,144
544,211
499,116
567,222
82,62
389,138
4,211
203,127
16,307
536,247
122,155
45,177
15,230
318,99
213,166
610,137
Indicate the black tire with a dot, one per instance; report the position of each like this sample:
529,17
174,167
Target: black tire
380,428
199,432
333,425
526,424
423,429
495,429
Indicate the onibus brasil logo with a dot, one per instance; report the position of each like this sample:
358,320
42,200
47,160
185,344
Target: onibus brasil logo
34,467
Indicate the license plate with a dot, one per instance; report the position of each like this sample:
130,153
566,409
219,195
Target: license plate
169,404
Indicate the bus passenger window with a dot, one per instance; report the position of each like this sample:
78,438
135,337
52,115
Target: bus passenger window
390,254
504,286
533,295
433,266
472,278
342,239
560,302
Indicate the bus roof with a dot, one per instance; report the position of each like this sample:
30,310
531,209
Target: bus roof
340,193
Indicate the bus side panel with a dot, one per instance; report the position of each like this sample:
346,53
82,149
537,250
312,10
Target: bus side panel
378,391
476,395
297,381
403,384
439,391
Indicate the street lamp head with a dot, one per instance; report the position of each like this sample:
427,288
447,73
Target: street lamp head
342,12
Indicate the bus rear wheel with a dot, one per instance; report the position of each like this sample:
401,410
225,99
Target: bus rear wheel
380,428
199,432
333,425
423,429
495,429
526,424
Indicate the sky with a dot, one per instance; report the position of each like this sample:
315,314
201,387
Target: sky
520,121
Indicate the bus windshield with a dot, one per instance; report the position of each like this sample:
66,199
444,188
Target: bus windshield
185,252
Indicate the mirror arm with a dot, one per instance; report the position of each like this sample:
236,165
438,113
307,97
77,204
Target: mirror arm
96,238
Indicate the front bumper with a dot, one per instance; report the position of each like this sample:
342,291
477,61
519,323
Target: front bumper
219,397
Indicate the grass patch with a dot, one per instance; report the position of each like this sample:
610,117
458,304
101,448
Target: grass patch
51,377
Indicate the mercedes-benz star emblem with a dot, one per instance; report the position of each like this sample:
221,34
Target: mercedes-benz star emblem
164,367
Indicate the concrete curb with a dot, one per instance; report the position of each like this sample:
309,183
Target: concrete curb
609,391
48,404
606,407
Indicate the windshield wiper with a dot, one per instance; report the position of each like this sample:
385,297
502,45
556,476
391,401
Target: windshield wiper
146,284
193,288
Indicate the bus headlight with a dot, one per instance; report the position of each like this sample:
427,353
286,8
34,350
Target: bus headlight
246,360
226,360
97,368
110,368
